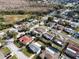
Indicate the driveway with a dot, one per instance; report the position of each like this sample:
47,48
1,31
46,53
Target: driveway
1,55
16,51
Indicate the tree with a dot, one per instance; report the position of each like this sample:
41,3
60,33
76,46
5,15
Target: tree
63,49
49,43
42,47
50,19
66,23
21,12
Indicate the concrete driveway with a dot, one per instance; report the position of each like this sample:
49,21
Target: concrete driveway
16,51
1,55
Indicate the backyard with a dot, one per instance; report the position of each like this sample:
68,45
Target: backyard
13,57
26,52
5,50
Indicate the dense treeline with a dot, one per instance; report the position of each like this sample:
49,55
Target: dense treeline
5,26
22,13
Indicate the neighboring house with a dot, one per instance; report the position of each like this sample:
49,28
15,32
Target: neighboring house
35,33
72,50
50,24
0,44
49,54
34,48
20,34
76,35
30,20
58,27
38,32
13,30
48,36
61,22
25,39
35,21
56,19
59,42
76,20
69,30
74,25
21,27
2,34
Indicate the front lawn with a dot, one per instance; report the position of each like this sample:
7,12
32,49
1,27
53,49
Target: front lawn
18,44
26,52
77,29
13,57
41,43
57,47
5,50
63,32
36,57
2,41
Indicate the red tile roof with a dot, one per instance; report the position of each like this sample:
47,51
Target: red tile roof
25,39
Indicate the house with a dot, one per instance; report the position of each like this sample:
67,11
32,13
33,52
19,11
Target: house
13,30
34,48
48,36
1,34
50,24
49,54
20,34
35,33
61,22
58,27
74,25
69,30
38,32
25,39
59,42
35,21
55,19
75,20
21,27
1,45
40,29
72,50
76,35
30,20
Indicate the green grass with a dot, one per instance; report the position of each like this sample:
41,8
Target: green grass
36,57
5,50
41,43
57,47
26,52
13,57
17,43
1,41
64,32
77,29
